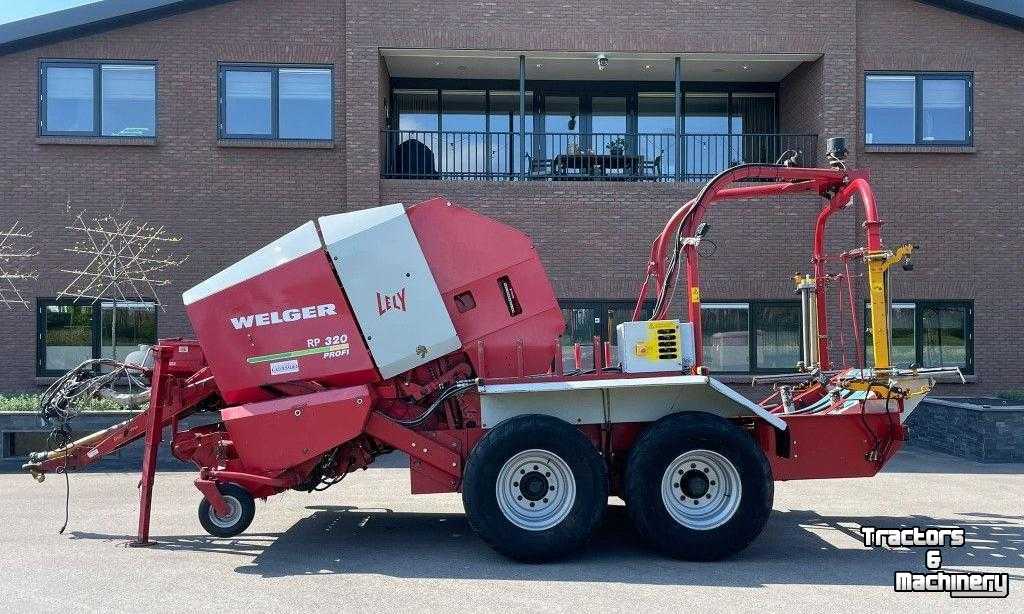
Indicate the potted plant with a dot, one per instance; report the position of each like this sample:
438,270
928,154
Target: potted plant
617,147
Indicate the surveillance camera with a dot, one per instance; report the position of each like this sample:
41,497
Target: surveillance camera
602,62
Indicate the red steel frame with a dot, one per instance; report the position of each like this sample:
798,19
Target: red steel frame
176,394
838,186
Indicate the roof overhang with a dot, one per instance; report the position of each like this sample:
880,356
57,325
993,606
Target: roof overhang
1004,12
108,14
89,19
583,66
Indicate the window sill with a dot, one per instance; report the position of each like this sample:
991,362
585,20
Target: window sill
919,149
96,140
275,144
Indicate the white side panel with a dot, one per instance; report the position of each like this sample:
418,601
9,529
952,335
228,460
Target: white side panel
575,407
295,244
390,287
344,225
628,400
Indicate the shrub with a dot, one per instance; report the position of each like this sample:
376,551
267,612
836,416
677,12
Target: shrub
30,402
1011,395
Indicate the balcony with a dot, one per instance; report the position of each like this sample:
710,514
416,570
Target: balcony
571,156
464,115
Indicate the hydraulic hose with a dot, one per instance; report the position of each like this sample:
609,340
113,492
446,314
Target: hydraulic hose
671,270
455,390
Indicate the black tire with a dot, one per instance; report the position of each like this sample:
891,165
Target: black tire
695,433
243,509
572,518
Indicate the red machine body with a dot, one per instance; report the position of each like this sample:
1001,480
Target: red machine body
300,432
360,334
291,319
495,288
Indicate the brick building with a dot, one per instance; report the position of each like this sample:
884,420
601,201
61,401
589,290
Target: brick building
231,123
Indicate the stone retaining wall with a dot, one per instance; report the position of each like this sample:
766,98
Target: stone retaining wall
987,430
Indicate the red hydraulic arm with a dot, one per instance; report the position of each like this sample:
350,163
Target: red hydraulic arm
836,185
83,452
858,185
175,393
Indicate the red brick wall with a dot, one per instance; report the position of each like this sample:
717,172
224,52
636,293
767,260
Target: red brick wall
964,209
800,95
594,238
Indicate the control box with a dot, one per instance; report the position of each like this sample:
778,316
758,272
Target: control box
652,346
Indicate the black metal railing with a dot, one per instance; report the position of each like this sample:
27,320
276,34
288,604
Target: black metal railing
570,156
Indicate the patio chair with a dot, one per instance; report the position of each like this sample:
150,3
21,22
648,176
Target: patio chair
652,169
539,167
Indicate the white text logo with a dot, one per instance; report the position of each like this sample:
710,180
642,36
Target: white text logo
288,315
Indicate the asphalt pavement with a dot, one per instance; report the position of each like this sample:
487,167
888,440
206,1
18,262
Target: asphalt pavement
366,545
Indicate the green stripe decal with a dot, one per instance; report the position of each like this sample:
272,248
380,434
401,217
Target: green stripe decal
253,360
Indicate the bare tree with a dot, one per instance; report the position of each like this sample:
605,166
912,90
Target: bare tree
123,261
15,258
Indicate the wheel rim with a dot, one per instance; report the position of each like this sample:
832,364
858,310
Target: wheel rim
234,515
701,489
535,490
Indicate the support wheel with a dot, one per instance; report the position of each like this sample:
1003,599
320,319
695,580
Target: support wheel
698,487
535,488
243,508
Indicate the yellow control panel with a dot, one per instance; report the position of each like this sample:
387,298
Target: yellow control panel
661,341
655,345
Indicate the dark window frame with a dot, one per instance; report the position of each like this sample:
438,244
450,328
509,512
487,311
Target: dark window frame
752,305
95,322
275,102
919,79
920,305
603,305
97,103
586,90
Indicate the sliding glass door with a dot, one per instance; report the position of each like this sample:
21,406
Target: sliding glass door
561,116
609,125
655,131
460,132
504,131
464,133
706,126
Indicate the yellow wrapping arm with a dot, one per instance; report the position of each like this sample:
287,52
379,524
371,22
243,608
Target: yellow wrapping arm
877,264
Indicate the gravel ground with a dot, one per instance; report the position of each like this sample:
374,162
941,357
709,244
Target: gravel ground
367,545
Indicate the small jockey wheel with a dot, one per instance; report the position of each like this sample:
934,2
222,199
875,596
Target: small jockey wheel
241,506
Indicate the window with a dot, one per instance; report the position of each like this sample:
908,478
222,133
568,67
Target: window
917,109
928,334
777,336
97,99
755,336
726,333
741,337
276,102
586,319
656,129
70,332
503,121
